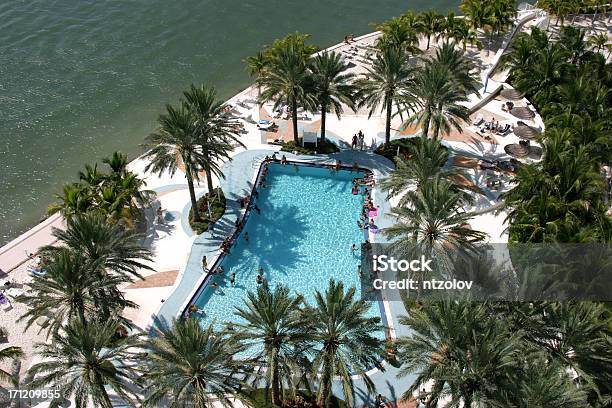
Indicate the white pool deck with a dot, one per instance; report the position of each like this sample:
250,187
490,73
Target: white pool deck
177,251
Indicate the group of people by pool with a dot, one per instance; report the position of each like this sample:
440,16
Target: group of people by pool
369,210
357,140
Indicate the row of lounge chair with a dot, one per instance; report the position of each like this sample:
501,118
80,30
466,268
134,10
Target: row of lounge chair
500,131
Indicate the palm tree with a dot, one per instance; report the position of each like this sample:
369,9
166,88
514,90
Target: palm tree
426,162
75,199
558,8
598,41
384,84
545,72
539,383
9,353
468,354
119,195
431,22
344,340
477,12
286,81
115,249
572,41
82,360
435,99
501,14
257,65
274,327
399,33
70,289
562,191
130,188
462,69
434,222
463,34
215,130
187,365
175,144
332,85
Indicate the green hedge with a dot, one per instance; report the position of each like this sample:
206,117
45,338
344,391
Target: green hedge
326,147
390,150
217,211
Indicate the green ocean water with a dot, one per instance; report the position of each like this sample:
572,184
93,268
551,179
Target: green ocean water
82,78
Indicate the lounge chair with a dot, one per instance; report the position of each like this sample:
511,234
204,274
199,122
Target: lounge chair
36,272
265,124
505,130
478,121
14,292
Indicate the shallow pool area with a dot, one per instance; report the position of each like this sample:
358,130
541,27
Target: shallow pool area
301,238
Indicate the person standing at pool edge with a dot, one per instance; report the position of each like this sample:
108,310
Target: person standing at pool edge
361,138
204,263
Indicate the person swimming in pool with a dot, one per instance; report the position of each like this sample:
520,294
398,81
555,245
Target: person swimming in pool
259,279
355,190
353,248
195,309
246,236
296,168
256,208
284,160
233,279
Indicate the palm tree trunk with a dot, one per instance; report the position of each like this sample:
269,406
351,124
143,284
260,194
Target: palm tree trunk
388,122
325,385
194,202
323,117
276,400
81,311
295,120
209,184
426,127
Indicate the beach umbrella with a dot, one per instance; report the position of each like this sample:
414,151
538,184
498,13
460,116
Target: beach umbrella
511,94
526,132
522,112
517,150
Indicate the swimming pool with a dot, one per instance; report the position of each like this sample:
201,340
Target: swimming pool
301,238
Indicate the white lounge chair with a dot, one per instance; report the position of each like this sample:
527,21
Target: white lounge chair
478,121
14,292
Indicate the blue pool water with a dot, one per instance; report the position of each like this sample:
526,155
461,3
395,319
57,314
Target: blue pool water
301,239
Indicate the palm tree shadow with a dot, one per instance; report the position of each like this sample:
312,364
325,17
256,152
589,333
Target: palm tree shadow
154,231
274,236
